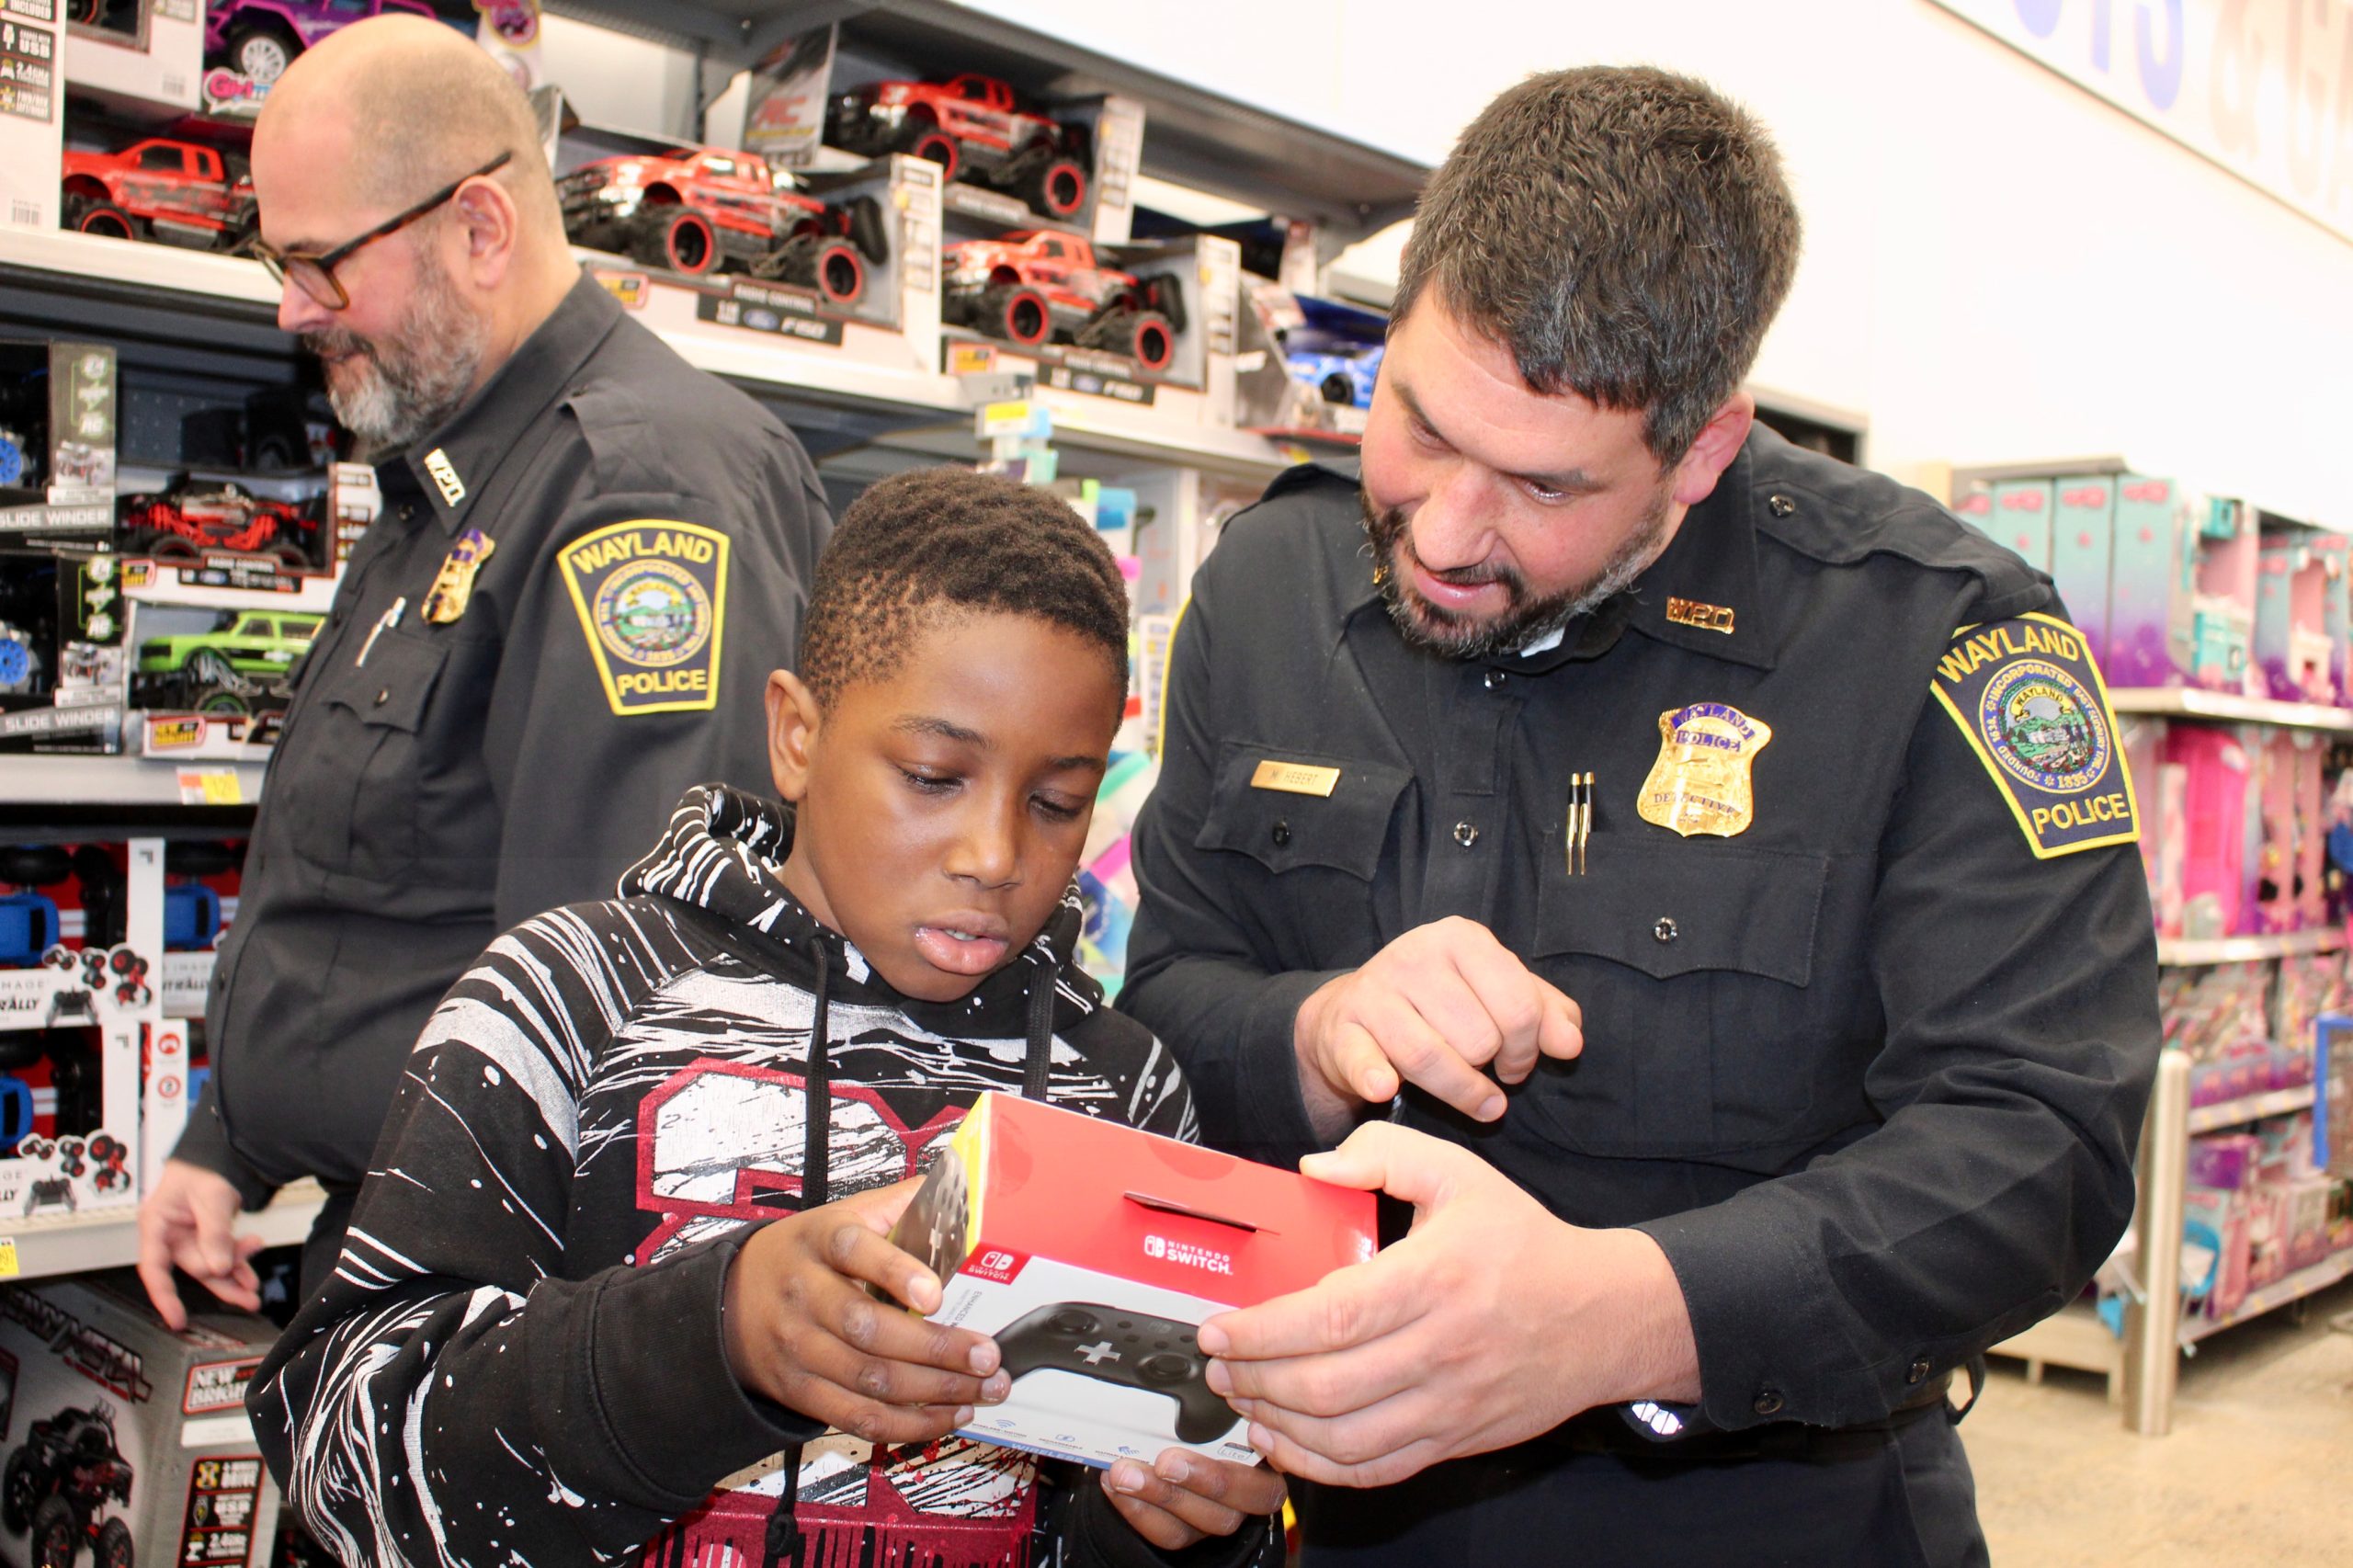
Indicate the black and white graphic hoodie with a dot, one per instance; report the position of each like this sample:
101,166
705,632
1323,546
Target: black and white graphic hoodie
519,1359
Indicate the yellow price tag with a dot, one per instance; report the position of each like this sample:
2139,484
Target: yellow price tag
211,787
9,1266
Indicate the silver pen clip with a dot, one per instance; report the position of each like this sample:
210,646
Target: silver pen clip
384,623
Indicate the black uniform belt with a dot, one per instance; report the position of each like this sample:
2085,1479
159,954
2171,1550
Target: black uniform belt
1605,1431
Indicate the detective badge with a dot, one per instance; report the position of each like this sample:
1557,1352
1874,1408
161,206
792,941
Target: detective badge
454,584
651,596
2031,705
1701,782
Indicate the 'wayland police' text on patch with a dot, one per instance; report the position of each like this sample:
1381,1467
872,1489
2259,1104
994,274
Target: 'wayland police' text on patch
2030,703
653,600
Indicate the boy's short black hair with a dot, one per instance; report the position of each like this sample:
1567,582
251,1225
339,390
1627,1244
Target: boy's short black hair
936,540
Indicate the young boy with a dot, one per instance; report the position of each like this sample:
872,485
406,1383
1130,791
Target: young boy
614,1255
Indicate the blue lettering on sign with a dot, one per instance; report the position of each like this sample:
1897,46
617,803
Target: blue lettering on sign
2160,76
2039,18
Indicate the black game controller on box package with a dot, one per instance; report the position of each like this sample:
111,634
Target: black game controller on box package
1091,1253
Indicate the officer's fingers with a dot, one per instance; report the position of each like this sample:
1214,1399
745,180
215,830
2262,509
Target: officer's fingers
215,1242
1511,1003
155,1271
1562,1035
1424,1055
1357,1065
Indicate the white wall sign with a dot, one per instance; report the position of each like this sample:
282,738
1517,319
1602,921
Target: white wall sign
2263,88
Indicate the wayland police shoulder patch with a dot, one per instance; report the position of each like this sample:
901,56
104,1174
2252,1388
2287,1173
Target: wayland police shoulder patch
2030,703
653,600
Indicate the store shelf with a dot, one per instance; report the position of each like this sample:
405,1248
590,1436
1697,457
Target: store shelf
108,1238
1192,137
2277,1294
2072,1336
103,781
2248,1108
2175,951
2195,702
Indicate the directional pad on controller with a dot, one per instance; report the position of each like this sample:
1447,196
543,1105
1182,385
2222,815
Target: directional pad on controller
1099,1353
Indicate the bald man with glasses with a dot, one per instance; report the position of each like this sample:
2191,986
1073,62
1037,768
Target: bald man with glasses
590,557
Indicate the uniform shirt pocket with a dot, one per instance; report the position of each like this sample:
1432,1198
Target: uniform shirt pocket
353,807
1285,830
1694,963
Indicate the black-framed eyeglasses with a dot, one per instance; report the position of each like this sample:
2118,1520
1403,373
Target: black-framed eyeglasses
314,271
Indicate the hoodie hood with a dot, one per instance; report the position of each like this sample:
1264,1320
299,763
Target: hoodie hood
723,852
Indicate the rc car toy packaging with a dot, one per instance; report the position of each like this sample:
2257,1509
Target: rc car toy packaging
127,1445
1091,1252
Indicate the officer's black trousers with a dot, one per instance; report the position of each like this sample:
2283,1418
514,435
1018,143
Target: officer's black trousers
1900,1498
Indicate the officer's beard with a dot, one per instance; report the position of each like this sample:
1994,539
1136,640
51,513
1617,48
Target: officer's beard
392,389
1524,618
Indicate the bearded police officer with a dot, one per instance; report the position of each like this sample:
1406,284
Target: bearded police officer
589,559
1698,872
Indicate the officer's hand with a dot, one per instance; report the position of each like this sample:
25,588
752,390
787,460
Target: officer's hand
1432,1008
1185,1496
802,1330
187,1221
1490,1323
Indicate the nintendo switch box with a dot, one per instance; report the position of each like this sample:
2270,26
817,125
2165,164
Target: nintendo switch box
1092,1253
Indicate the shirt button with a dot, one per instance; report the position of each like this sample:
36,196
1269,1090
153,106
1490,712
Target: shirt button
1282,834
1919,1373
1781,506
383,697
1465,835
1493,680
1665,930
1768,1403
408,512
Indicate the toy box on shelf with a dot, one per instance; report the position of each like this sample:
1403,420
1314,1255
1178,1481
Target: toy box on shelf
138,58
201,880
1304,365
57,440
32,115
1009,160
2295,655
189,188
62,656
888,321
81,932
2015,513
212,642
248,44
1139,337
126,1437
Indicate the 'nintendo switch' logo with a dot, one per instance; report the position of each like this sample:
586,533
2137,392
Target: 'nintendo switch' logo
1189,1255
995,1264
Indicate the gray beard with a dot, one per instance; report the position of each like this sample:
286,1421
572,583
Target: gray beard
1525,620
408,383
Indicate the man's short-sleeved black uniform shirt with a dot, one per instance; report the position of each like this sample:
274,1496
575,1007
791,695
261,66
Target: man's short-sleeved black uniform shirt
564,615
1869,1066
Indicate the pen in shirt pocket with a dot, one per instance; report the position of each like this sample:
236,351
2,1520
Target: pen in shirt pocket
384,623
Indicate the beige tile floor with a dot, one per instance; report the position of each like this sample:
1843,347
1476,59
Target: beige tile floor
2259,1468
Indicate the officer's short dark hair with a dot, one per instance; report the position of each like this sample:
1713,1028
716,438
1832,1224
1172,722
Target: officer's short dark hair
941,539
1626,232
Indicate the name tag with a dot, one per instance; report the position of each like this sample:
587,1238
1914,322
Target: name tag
1295,778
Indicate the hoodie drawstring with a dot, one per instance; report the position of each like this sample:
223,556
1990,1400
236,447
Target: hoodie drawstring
1038,1061
782,1548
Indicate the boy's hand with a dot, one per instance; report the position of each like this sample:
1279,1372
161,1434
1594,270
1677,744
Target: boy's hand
802,1330
1185,1496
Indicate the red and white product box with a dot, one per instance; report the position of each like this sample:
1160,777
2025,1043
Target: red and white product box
1091,1252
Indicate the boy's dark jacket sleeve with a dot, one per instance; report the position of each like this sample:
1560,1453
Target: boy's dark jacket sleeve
447,1397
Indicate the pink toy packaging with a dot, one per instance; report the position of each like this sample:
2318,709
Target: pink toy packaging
2217,773
2291,643
2222,618
2153,584
2082,525
2331,549
2022,522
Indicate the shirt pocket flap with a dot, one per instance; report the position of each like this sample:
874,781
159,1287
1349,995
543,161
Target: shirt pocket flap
1677,909
1284,829
390,691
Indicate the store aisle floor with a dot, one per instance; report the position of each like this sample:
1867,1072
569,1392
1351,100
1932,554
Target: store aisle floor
2258,1466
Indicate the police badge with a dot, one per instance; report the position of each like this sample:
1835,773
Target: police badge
1700,781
